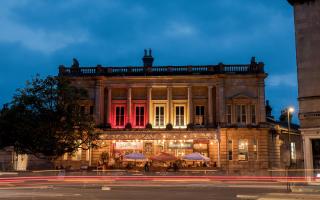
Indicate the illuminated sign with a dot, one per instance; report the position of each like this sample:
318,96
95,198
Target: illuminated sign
128,145
185,145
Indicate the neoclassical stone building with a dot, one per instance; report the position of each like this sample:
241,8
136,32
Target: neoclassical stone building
307,29
217,110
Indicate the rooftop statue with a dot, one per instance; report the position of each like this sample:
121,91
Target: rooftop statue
75,63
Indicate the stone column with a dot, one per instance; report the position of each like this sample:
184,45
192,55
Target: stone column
308,165
190,106
261,104
149,106
220,103
210,112
109,103
129,105
99,102
169,97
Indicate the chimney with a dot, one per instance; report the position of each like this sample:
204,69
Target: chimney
147,58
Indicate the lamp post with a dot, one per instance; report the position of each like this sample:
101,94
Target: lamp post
289,110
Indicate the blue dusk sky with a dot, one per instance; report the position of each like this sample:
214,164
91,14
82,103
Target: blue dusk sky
36,36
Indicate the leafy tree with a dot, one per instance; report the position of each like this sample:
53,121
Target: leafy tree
45,119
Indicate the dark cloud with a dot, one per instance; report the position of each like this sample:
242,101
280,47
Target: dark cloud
37,36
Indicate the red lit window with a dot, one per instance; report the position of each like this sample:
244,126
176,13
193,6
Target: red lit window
139,116
119,115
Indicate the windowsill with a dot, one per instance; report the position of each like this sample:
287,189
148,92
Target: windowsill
119,127
180,127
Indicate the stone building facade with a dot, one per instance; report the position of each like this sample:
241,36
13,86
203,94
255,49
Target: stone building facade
307,29
216,110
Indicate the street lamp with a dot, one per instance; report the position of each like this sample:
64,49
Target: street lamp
289,110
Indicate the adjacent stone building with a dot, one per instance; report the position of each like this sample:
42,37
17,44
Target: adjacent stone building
307,28
216,110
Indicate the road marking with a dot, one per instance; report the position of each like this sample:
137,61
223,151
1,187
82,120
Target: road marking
247,196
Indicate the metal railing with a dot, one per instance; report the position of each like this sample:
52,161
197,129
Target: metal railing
253,68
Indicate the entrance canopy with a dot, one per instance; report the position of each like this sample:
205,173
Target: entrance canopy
195,157
135,157
163,157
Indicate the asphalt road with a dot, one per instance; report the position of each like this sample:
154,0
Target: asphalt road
135,191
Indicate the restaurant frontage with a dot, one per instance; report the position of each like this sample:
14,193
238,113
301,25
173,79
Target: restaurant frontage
178,143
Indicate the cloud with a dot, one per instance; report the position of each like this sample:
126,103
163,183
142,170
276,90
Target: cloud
179,29
280,80
38,39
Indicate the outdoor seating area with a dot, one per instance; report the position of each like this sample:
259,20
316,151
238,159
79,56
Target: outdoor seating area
161,162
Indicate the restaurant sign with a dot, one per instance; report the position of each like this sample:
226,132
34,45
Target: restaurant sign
180,145
128,145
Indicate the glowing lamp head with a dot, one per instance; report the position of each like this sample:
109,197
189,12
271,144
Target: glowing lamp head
290,109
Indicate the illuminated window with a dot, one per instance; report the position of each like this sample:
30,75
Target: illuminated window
255,149
243,150
253,114
120,116
199,117
77,155
87,155
293,152
65,156
229,114
140,116
230,149
179,116
159,116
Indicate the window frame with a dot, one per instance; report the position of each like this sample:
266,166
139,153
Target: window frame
155,115
293,152
230,149
175,116
245,151
229,114
124,116
196,116
253,113
241,114
144,116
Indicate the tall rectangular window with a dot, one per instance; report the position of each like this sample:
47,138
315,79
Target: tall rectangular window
243,150
255,149
159,116
120,116
230,149
241,114
199,117
293,152
229,114
253,114
77,155
179,115
139,116
88,154
65,156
